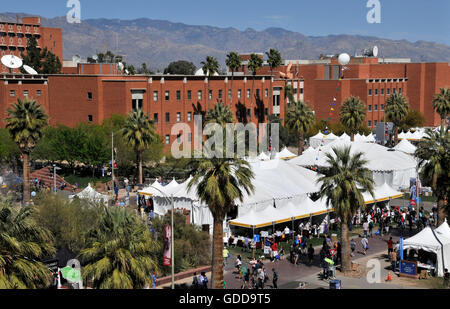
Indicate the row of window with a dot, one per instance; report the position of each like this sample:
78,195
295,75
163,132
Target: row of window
200,94
178,138
12,93
375,108
388,91
369,123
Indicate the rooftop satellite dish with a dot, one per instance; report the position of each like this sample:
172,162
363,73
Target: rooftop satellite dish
12,62
344,59
375,51
29,70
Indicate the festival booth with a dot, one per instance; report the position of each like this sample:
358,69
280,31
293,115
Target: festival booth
345,137
437,245
320,138
382,193
91,195
285,154
406,147
392,167
263,157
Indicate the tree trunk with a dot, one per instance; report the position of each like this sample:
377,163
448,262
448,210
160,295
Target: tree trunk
217,257
442,126
396,136
140,167
26,177
353,137
345,247
300,145
441,211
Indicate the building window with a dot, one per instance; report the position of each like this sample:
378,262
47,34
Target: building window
376,122
388,91
90,118
230,94
189,137
12,93
382,107
167,139
249,113
189,116
370,108
257,93
167,95
178,95
155,117
248,93
179,138
220,94
376,91
376,108
210,94
400,90
167,117
370,92
394,91
370,124
89,96
301,90
239,93
25,93
178,117
189,94
200,95
266,93
266,112
137,104
382,91
38,93
155,96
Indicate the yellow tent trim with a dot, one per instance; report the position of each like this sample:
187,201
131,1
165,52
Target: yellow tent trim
147,194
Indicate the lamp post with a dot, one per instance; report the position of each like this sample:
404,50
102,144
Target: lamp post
55,168
112,160
172,254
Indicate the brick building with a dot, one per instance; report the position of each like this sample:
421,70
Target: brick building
14,38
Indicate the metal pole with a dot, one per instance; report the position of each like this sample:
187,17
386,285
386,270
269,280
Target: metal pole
54,178
173,247
112,161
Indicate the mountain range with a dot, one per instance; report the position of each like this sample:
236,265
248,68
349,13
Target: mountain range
159,42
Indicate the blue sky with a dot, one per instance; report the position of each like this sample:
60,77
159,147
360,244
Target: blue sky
412,20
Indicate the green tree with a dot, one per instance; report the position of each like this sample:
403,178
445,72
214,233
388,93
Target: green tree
353,114
25,123
396,110
433,153
414,119
300,119
181,67
342,185
254,64
23,245
95,150
221,114
210,67
441,105
50,62
139,133
9,152
233,63
274,60
219,183
44,62
121,252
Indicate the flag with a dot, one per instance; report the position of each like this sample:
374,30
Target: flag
400,247
167,245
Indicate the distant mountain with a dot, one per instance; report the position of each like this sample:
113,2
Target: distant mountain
158,42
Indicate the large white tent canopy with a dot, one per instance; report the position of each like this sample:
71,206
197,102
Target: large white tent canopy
406,147
432,241
90,194
285,154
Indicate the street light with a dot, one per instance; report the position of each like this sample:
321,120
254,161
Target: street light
55,168
112,159
171,234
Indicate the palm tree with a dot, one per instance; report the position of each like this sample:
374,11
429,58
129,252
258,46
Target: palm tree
353,114
121,252
274,60
300,119
221,114
25,123
139,133
23,245
210,67
433,153
342,184
219,183
441,104
233,63
397,108
254,65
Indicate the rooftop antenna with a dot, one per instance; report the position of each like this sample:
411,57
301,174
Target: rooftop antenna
11,62
29,70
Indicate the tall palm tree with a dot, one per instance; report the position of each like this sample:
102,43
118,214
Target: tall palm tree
274,60
342,184
433,153
23,245
25,123
139,133
254,64
300,119
441,105
210,67
221,114
353,114
121,252
233,63
396,110
219,183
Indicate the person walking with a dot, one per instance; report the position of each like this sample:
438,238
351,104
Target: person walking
195,283
274,279
226,255
366,228
261,276
393,259
365,245
310,254
390,244
352,247
154,281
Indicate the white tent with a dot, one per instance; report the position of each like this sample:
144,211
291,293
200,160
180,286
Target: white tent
370,138
406,147
382,193
153,190
430,241
316,140
345,137
263,157
285,154
90,194
444,230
